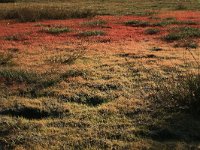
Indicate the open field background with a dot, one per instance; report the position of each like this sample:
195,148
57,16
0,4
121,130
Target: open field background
99,74
47,9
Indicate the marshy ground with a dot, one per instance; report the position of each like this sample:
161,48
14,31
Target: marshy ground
90,83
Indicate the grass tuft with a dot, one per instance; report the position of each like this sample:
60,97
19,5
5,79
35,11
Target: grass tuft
172,37
67,58
92,33
96,23
152,31
56,30
188,44
183,33
174,21
183,95
156,49
5,59
137,23
16,37
74,73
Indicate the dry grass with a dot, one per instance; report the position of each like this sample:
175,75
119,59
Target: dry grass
5,59
89,95
99,101
35,13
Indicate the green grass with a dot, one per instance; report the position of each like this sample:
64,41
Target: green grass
96,23
182,33
172,37
13,38
189,22
137,23
18,76
152,31
92,33
34,82
40,9
162,23
56,30
173,21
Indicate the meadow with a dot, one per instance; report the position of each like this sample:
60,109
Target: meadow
99,74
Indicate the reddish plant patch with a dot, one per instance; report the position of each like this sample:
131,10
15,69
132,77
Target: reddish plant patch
115,30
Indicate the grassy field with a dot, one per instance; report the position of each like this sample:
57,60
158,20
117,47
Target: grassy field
101,74
49,9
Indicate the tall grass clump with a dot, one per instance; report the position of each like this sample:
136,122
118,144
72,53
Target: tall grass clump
66,58
31,14
183,94
22,14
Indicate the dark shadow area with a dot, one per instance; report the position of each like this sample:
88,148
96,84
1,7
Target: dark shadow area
30,113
